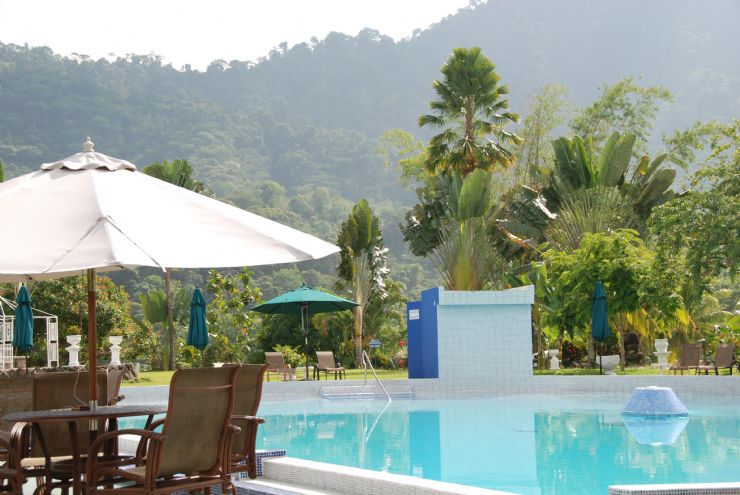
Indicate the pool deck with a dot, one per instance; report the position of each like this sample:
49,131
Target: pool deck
719,388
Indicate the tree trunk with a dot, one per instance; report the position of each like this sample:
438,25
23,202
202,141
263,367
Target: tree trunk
622,354
591,351
170,321
358,335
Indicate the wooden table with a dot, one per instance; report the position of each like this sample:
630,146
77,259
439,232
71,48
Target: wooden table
72,416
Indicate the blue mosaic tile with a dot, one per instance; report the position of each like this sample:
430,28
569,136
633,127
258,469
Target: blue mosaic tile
655,401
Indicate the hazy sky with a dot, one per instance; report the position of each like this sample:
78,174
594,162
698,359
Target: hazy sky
198,32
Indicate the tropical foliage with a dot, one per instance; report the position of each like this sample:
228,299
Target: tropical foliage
362,266
469,109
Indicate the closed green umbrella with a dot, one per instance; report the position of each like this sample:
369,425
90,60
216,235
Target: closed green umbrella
302,301
23,334
198,328
599,318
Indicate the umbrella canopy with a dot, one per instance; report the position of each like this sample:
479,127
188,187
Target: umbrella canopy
599,320
94,211
91,213
198,329
301,301
23,332
291,302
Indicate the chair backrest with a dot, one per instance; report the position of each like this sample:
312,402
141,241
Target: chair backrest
690,354
275,360
725,355
59,390
198,415
247,396
325,359
113,387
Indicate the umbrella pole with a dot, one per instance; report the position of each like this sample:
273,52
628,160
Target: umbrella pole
304,322
92,367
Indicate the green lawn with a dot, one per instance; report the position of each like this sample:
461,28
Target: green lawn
631,370
163,377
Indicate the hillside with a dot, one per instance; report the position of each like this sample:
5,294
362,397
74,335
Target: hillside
293,136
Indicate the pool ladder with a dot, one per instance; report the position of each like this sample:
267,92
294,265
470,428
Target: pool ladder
367,391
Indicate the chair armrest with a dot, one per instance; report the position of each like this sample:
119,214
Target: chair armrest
115,400
13,459
20,439
151,439
248,419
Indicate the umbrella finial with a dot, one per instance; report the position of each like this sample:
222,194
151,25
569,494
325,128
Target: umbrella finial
87,146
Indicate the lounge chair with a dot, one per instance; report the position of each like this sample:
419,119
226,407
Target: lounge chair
192,451
723,358
247,396
276,364
689,358
325,362
11,474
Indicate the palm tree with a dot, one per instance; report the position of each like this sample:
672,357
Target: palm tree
470,110
179,173
362,263
583,195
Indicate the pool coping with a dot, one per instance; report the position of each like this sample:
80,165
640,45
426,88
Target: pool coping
730,488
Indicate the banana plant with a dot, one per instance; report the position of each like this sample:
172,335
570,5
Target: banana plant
584,194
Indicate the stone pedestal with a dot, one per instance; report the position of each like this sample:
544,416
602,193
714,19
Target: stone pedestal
115,349
609,364
661,352
74,349
554,361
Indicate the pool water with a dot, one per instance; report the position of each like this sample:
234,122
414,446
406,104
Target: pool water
522,444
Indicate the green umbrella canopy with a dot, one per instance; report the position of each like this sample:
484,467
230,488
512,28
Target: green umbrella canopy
23,334
599,321
291,302
302,301
198,329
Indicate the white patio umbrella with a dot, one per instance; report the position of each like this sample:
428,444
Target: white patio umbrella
91,213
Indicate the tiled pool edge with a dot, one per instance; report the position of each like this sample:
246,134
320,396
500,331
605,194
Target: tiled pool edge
678,489
356,481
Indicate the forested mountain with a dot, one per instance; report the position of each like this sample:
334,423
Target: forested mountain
293,136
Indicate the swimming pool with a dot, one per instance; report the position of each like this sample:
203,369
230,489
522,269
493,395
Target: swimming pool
522,444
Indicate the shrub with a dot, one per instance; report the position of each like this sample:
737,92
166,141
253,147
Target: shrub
572,353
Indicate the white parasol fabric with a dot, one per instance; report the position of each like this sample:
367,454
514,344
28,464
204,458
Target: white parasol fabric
91,211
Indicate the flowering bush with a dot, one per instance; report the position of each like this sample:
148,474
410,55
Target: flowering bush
572,353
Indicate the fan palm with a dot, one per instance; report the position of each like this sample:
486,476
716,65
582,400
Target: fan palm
362,264
470,109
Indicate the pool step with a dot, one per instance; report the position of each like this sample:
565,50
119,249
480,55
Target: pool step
319,477
270,487
368,392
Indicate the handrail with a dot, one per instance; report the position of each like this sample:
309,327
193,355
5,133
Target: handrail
366,363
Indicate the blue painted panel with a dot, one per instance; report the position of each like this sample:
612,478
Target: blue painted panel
429,345
413,320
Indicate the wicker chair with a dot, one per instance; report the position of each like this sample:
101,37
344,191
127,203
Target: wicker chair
11,474
325,362
247,398
48,452
191,452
